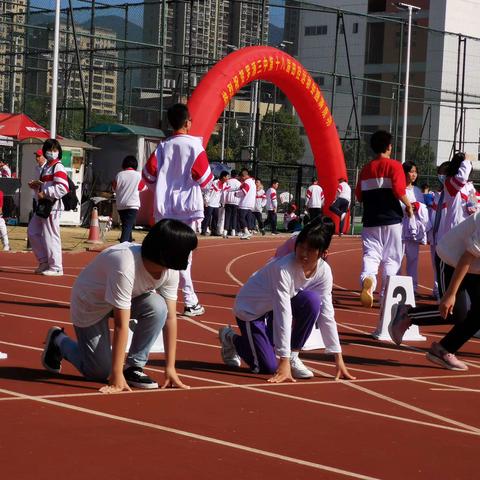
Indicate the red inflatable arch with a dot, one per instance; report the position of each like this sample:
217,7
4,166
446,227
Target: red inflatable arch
243,66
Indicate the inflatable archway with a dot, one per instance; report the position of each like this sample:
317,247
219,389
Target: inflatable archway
243,66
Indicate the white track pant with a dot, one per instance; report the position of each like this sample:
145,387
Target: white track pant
411,253
44,236
3,232
190,298
381,246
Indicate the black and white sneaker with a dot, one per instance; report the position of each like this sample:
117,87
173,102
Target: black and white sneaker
137,378
194,310
51,355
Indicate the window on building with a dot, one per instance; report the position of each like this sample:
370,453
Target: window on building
355,28
341,28
377,6
316,30
319,80
372,91
375,41
339,80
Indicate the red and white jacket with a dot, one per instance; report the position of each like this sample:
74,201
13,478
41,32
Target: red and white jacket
314,196
344,191
260,200
55,183
230,195
127,185
247,194
177,172
5,171
214,196
455,198
272,202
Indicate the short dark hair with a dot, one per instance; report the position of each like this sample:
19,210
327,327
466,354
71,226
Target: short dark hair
317,234
442,168
274,181
169,243
454,164
244,170
130,162
177,115
233,173
380,141
314,179
224,174
52,143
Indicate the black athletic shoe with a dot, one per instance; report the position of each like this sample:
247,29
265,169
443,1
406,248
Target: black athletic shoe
51,355
136,378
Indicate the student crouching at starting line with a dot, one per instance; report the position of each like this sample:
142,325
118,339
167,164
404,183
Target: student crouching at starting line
278,306
125,281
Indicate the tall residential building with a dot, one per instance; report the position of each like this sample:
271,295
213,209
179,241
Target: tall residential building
102,76
196,37
12,60
376,47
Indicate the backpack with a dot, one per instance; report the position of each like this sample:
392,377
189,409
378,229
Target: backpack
70,199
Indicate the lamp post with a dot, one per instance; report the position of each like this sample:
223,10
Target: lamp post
56,40
410,9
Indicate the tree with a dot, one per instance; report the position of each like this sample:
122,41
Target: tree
280,138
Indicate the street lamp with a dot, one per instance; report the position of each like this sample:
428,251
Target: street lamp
410,9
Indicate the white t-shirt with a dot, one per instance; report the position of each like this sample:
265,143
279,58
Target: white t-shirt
344,191
127,185
272,202
464,237
111,280
271,289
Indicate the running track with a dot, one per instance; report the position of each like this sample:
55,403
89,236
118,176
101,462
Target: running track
403,418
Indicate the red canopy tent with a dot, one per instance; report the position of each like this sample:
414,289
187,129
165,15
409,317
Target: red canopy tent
20,126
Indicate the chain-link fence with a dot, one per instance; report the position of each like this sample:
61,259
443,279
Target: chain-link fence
127,62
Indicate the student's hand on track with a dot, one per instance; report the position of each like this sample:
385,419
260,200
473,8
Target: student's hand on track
284,372
116,384
446,305
342,372
172,380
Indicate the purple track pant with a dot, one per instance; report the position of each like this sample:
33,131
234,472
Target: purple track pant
255,344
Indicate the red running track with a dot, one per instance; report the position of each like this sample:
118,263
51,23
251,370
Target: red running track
403,418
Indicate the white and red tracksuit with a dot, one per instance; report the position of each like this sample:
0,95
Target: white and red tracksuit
5,171
272,201
44,233
314,196
414,232
177,172
247,195
455,197
380,186
437,211
3,227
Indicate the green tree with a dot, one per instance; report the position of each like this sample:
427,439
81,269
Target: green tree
280,138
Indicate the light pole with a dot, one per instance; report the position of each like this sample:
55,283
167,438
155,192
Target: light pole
56,40
410,9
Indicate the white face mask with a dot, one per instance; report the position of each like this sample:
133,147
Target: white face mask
441,179
51,155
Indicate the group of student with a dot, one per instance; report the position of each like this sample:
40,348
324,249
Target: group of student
397,218
279,304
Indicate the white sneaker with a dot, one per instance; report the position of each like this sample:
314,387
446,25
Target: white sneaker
41,268
52,273
6,248
194,310
229,353
299,370
244,236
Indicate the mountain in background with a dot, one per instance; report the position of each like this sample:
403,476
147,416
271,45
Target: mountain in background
275,34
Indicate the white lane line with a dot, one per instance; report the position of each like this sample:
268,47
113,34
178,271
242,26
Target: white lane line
183,433
46,300
231,262
43,284
299,398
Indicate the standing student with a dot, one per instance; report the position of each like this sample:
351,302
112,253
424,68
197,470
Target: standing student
341,204
260,201
5,171
44,226
314,199
127,186
277,308
125,281
458,272
177,172
271,206
414,228
231,202
3,227
380,186
212,200
247,194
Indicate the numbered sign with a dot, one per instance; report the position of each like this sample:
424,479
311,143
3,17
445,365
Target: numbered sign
398,291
